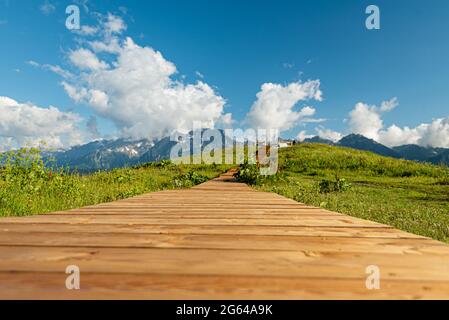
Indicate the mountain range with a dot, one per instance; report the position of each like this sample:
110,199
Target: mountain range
118,153
110,154
408,152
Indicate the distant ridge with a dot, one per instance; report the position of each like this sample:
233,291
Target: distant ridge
317,139
359,142
408,152
415,152
441,158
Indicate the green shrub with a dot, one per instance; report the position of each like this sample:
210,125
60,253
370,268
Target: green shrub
337,185
248,173
163,164
159,164
129,193
24,177
443,181
122,175
189,179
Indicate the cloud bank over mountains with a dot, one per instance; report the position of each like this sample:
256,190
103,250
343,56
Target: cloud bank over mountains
141,93
367,120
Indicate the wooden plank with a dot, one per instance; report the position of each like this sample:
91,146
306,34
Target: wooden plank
229,242
353,232
189,215
224,211
252,214
428,267
149,286
148,220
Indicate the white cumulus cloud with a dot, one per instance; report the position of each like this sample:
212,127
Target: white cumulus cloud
434,134
86,30
136,88
302,135
275,105
86,59
328,134
114,24
24,124
367,120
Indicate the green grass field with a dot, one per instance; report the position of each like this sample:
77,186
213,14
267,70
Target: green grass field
29,187
410,196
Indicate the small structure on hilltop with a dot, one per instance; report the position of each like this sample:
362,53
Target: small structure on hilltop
285,143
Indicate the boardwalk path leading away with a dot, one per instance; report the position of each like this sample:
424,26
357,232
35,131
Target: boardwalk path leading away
218,240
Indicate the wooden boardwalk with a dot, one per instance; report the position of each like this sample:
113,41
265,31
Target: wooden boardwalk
219,240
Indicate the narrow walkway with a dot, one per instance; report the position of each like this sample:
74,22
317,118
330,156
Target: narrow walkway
219,240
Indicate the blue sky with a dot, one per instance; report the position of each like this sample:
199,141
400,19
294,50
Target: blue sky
239,45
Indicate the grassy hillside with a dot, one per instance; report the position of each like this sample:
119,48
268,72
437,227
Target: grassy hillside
28,186
411,196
